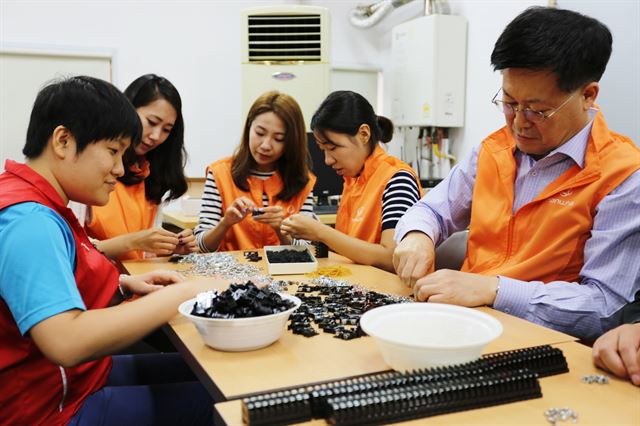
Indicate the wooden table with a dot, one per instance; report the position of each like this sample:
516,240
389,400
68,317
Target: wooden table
617,403
184,221
297,360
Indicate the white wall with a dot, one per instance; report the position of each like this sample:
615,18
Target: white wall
196,45
486,20
21,76
620,85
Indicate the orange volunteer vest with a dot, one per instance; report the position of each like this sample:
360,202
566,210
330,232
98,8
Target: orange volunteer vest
360,211
544,240
250,234
128,210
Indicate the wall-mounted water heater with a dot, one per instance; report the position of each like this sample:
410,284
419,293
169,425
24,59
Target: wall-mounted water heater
428,71
286,48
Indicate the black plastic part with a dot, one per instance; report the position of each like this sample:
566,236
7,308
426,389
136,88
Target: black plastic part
289,256
245,300
322,250
391,396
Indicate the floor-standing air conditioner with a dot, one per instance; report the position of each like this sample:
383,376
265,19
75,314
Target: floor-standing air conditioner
286,48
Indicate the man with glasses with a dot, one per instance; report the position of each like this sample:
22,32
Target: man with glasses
551,200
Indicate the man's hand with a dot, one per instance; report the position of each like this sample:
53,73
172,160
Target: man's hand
413,257
618,351
149,282
456,288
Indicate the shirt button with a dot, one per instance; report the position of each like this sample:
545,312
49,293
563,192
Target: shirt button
507,310
534,173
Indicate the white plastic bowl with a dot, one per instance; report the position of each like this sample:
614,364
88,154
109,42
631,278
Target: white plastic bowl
413,336
240,334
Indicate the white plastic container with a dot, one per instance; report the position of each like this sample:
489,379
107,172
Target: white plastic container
290,268
414,336
240,334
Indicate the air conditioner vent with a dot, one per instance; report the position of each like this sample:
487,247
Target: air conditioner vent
284,38
271,37
285,48
284,20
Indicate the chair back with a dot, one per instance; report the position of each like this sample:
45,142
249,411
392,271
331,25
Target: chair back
450,254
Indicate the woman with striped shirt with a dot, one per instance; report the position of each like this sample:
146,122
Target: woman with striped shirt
378,188
247,196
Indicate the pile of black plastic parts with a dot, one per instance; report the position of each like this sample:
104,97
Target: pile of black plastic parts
240,301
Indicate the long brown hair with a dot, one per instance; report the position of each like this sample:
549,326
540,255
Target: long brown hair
167,160
294,163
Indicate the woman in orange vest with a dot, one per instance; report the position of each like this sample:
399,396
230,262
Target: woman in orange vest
378,188
130,224
247,196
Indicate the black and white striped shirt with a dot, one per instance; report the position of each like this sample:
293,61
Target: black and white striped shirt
211,212
400,193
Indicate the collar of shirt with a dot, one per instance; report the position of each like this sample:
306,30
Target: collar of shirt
261,175
574,148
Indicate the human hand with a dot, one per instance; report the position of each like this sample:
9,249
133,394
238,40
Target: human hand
186,242
155,240
618,351
238,210
303,227
456,288
272,216
413,257
149,282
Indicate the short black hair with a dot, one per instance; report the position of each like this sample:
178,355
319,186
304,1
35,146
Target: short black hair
166,161
344,111
90,108
573,46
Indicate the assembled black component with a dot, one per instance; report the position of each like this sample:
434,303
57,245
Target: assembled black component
335,309
392,396
322,250
252,256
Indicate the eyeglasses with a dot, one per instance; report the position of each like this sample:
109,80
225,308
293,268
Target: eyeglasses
510,109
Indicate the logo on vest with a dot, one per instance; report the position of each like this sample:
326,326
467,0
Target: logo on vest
358,216
561,202
85,246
